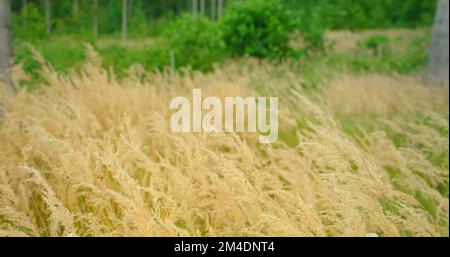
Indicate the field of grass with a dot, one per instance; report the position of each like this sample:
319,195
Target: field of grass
401,51
363,148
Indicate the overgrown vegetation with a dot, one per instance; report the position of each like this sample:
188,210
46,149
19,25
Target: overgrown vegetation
363,144
257,28
196,42
400,52
148,17
91,155
366,14
271,29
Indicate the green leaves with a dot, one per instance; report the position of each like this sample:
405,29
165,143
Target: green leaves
196,41
258,28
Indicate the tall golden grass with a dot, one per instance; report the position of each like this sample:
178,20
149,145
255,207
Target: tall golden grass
92,155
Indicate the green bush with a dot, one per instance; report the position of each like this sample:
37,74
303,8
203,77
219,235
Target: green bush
121,58
312,24
259,28
368,14
195,41
29,24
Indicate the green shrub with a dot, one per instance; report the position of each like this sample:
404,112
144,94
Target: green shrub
121,58
29,24
157,25
195,41
257,28
312,24
366,14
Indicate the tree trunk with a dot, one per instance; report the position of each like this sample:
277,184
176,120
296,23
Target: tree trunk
439,53
124,19
24,6
47,17
150,20
6,47
219,8
213,9
179,7
95,18
202,7
76,8
194,7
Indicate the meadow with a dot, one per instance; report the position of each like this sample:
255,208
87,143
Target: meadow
362,149
91,154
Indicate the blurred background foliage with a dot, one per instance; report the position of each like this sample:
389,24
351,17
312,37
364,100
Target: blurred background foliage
272,29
